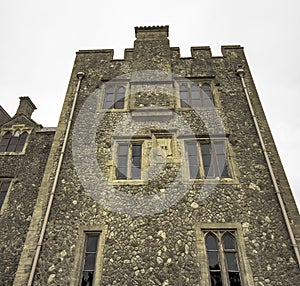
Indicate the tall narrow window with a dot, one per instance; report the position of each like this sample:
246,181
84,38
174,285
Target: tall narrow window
184,96
230,252
206,95
91,245
114,97
212,250
222,259
4,186
120,96
193,158
195,96
5,141
129,161
209,170
21,141
122,161
136,161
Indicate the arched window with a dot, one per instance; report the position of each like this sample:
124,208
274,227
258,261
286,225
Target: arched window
212,249
114,97
22,140
13,143
5,141
230,253
222,259
191,95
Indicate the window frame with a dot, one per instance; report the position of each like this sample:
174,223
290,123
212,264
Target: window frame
4,205
202,229
12,130
129,166
199,142
115,86
76,277
189,90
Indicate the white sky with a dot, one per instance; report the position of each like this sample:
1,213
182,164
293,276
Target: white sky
39,40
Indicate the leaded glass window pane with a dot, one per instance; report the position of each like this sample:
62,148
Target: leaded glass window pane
136,161
207,95
184,96
193,158
21,143
208,166
5,141
89,259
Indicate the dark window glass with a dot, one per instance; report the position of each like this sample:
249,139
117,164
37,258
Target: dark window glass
207,95
119,104
89,259
87,278
21,143
209,171
228,242
213,260
234,279
5,141
220,152
215,278
136,161
230,253
122,161
184,96
211,242
195,94
3,191
13,142
212,250
193,158
109,98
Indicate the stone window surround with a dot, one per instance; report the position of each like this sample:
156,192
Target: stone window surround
198,81
245,270
120,83
178,155
13,129
157,138
230,164
5,202
75,279
113,170
174,103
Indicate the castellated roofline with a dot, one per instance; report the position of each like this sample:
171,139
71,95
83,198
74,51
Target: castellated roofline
202,51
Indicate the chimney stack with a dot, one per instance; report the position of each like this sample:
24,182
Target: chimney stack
26,106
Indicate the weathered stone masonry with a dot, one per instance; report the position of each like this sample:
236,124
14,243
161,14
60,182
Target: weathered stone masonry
167,246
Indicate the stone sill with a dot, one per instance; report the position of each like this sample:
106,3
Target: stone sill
152,114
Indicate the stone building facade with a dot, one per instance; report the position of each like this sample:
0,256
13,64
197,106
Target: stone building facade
162,171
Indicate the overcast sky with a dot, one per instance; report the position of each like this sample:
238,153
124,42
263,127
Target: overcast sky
39,40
